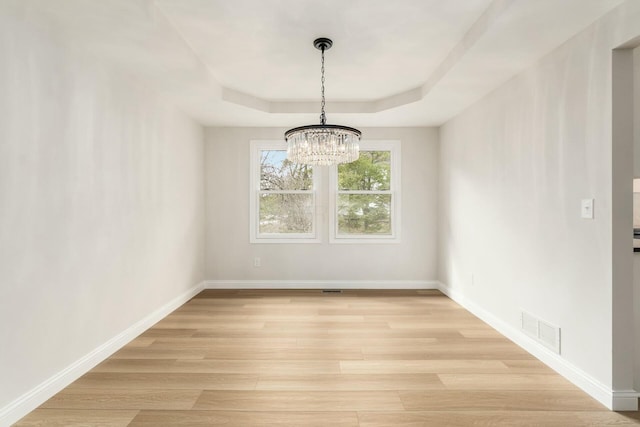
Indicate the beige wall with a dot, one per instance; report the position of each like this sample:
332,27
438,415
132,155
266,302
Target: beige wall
101,205
230,255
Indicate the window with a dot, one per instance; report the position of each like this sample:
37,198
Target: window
364,196
365,199
283,206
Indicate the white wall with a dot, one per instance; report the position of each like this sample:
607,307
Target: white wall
636,303
230,255
101,205
636,112
636,208
514,168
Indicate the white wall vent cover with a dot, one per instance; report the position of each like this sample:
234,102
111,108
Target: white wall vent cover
541,331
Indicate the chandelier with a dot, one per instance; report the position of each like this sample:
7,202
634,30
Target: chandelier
322,144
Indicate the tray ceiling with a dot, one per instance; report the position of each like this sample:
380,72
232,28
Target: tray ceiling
252,63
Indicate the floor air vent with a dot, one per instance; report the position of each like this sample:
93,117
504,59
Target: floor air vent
332,291
541,331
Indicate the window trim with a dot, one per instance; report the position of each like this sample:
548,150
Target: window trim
256,147
394,146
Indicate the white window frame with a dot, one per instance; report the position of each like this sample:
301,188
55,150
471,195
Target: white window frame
256,147
395,190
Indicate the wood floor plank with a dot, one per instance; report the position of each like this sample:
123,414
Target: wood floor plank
298,318
304,358
447,350
210,324
72,398
135,365
198,418
531,366
141,342
438,322
221,366
77,418
166,381
286,307
473,381
373,311
324,401
484,400
362,342
494,418
154,353
211,343
350,382
399,333
262,333
480,333
168,333
421,366
285,354
326,325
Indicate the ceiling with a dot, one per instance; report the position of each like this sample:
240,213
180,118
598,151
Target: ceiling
252,62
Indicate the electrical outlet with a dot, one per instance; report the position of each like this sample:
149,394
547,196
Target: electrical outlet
257,262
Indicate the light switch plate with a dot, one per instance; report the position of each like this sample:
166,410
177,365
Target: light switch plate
587,208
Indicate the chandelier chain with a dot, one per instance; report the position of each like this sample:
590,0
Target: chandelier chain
323,117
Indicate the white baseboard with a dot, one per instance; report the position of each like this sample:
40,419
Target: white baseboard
26,403
625,400
321,284
614,400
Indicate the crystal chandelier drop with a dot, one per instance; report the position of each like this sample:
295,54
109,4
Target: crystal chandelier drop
322,144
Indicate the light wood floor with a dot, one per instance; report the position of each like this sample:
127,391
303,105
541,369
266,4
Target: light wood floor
303,358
